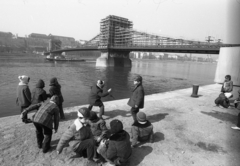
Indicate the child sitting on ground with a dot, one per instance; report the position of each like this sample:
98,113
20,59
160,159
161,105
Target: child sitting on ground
227,87
97,126
142,130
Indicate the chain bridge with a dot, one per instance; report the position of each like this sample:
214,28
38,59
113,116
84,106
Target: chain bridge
117,39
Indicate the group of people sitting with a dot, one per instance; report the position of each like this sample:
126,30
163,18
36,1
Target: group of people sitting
89,136
223,100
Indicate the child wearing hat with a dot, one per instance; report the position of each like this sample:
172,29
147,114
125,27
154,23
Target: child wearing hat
55,89
95,97
23,96
117,149
142,130
98,127
38,93
136,101
79,136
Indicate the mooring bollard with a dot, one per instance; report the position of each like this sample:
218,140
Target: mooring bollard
195,90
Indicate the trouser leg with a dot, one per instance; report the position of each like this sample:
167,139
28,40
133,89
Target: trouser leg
90,107
88,145
39,134
25,116
101,113
47,138
134,112
61,111
238,123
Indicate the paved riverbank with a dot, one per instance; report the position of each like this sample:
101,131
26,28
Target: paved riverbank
188,131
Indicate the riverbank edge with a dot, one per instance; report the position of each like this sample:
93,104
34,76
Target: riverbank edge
181,137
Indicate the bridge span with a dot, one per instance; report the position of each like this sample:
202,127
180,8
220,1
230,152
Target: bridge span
117,39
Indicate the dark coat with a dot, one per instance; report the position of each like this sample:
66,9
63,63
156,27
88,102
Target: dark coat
96,94
39,94
137,97
23,96
222,100
55,89
119,148
141,132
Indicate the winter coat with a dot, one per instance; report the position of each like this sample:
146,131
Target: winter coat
98,128
39,94
222,100
141,132
47,114
96,94
137,97
118,149
74,137
55,89
23,96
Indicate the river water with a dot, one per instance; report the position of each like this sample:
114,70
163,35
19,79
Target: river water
76,78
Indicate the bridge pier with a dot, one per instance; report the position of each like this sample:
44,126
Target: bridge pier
229,57
114,58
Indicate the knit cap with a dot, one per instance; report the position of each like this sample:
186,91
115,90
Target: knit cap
53,81
83,112
24,79
138,78
100,83
116,126
141,117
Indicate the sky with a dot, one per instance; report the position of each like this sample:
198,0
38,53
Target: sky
80,19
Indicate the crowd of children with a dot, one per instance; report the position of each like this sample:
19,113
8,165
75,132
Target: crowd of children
88,136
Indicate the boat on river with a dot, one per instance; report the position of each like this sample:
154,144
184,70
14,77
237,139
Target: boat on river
62,58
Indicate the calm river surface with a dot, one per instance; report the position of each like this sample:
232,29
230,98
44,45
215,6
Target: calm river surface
76,78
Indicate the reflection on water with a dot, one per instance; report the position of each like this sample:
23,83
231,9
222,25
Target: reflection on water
76,78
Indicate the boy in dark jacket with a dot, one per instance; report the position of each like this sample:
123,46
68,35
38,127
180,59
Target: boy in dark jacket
23,96
117,149
55,89
79,136
136,101
98,127
43,120
39,94
142,130
95,97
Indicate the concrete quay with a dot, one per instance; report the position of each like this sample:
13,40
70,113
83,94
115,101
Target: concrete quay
188,132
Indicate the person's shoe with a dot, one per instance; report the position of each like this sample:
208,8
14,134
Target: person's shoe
45,150
27,121
235,128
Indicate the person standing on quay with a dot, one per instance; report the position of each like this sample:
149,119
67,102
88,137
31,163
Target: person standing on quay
39,94
23,96
55,89
95,97
136,101
43,120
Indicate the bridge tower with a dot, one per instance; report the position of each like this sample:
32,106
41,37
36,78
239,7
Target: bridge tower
229,57
115,32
